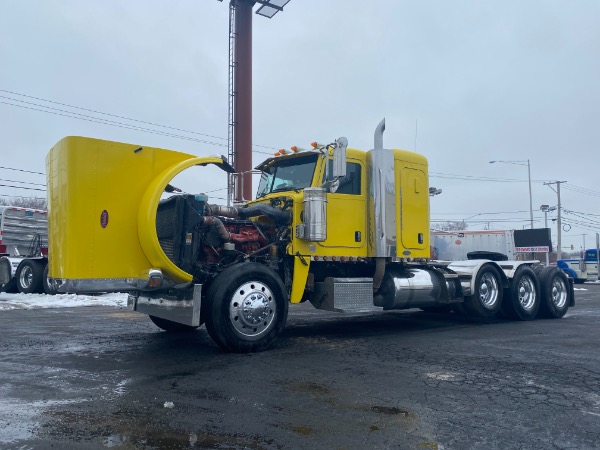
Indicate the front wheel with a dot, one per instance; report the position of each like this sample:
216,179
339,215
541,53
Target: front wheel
48,289
487,294
29,277
246,308
524,300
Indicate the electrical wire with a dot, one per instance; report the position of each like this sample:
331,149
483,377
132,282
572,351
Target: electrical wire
22,170
21,187
119,117
23,182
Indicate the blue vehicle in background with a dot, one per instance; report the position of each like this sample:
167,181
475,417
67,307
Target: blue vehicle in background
582,269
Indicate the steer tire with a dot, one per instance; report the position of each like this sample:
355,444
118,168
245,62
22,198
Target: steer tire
486,300
555,293
29,276
170,326
48,289
246,308
524,297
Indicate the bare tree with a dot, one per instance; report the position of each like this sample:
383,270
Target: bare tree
25,202
451,225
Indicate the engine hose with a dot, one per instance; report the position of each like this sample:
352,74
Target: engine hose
279,216
217,227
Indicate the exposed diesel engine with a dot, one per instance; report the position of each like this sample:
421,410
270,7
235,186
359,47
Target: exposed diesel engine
203,239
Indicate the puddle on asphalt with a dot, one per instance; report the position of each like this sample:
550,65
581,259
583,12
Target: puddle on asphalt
19,419
125,429
390,411
177,440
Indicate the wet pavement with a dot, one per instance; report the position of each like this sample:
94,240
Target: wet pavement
104,377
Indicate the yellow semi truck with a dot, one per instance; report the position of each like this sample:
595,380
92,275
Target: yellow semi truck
345,229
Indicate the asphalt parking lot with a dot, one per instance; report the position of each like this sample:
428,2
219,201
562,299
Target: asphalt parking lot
104,377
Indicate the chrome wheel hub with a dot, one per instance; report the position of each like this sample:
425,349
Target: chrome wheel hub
527,294
488,290
26,277
559,292
252,309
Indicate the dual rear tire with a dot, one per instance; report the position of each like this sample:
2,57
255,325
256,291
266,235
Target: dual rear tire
523,301
556,293
544,292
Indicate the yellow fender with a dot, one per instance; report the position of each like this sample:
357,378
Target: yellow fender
301,268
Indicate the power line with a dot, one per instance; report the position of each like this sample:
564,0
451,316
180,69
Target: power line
21,187
109,114
582,190
452,176
22,170
23,182
20,196
484,213
74,115
119,117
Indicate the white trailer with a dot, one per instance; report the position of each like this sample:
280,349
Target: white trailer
456,245
23,250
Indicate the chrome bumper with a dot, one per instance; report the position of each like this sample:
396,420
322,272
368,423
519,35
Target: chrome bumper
186,312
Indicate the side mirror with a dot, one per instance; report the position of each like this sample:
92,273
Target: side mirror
339,158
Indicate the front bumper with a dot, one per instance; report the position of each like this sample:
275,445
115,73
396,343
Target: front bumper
186,312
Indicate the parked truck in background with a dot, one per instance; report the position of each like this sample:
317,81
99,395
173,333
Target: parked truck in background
582,269
23,250
344,229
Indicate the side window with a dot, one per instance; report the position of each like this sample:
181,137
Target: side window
350,184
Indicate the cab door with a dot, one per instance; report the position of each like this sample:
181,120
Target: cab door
346,213
414,209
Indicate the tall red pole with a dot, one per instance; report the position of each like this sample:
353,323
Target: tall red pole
243,98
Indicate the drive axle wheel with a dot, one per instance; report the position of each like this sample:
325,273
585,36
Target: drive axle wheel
524,299
29,277
555,293
246,308
487,294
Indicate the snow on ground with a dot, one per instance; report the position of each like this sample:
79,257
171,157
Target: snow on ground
36,301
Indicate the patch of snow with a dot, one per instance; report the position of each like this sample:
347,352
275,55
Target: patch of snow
443,376
38,301
169,405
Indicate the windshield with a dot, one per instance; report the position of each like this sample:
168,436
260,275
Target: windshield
287,175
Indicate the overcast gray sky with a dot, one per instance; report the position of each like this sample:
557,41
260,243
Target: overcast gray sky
485,80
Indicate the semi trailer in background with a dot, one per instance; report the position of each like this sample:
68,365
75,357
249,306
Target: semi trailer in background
23,250
581,269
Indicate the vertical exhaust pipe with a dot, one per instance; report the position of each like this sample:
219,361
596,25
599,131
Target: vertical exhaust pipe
379,135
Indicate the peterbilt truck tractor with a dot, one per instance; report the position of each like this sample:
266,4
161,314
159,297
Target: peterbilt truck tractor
344,229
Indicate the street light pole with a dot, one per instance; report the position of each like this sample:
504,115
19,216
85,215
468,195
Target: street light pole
530,197
522,163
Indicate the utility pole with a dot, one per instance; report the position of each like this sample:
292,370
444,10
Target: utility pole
546,209
558,222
